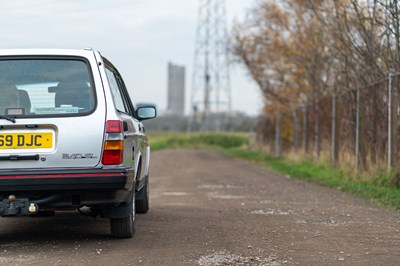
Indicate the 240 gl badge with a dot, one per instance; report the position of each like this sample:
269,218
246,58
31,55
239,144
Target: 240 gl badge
74,156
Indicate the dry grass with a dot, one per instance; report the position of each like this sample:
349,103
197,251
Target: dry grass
369,171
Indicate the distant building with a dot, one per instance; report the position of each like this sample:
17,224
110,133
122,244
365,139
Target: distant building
176,90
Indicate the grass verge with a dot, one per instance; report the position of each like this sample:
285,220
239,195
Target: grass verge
380,189
159,141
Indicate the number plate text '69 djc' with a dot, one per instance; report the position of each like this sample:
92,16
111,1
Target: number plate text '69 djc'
26,141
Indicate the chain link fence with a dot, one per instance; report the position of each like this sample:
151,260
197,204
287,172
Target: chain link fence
358,128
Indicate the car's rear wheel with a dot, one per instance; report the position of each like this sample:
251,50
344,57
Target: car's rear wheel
125,227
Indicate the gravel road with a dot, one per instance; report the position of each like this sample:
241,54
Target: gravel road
207,209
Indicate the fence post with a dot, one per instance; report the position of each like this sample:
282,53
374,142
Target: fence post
334,142
317,130
357,143
278,135
305,140
295,130
389,148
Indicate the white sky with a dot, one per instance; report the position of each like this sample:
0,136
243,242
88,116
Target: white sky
138,36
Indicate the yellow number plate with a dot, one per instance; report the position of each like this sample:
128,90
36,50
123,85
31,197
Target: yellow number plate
26,140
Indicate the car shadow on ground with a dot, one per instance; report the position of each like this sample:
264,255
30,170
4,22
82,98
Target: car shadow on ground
65,226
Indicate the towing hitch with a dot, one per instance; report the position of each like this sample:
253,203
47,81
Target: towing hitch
17,207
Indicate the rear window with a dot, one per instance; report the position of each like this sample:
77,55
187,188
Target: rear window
45,87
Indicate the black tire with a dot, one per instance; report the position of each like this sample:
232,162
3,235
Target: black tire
142,204
125,227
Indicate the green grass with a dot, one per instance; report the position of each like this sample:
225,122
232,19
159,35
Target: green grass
161,141
379,189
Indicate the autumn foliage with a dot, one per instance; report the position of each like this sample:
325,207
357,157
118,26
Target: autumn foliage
301,52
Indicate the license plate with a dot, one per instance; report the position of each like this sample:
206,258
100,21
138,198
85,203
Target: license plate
26,141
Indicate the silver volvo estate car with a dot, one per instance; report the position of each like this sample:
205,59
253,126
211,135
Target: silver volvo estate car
71,138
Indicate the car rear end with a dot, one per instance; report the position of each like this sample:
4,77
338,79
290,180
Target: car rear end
56,145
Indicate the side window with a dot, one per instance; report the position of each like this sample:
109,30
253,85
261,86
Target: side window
127,98
117,96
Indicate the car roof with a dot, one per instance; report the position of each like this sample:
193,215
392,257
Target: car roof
43,51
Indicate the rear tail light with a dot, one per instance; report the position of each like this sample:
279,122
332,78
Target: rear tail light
112,157
113,126
113,146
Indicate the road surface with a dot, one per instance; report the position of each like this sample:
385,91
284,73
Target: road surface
207,209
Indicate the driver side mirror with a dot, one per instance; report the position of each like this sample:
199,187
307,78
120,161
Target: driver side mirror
144,112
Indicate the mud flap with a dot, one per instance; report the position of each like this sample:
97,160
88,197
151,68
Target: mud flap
141,193
122,211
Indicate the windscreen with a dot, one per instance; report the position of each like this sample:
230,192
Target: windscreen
45,87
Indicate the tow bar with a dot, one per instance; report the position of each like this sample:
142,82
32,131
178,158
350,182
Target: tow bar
17,207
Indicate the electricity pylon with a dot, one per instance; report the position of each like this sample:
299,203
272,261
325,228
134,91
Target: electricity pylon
211,92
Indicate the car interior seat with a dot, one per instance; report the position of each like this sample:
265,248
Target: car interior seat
24,101
75,94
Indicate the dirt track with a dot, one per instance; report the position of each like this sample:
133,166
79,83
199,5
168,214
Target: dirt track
207,209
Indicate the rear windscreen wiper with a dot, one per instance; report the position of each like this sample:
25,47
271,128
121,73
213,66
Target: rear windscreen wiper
9,118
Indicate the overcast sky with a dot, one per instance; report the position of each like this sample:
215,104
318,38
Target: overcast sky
138,36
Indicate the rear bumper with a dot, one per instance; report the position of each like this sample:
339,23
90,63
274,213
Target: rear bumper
73,187
47,180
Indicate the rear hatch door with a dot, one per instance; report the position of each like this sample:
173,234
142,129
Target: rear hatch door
52,115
